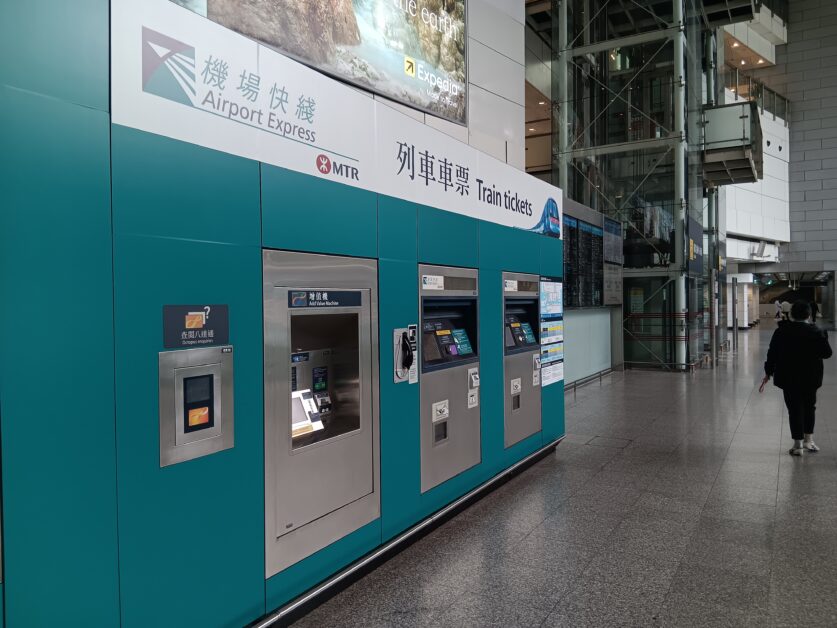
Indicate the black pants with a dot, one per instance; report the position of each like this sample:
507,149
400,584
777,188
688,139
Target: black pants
802,406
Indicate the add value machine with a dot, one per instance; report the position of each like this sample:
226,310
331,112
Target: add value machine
521,362
450,376
321,402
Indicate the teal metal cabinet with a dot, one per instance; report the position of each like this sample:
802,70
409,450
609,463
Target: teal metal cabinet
59,464
306,213
186,231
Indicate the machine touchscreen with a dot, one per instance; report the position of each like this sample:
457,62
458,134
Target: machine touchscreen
518,333
442,343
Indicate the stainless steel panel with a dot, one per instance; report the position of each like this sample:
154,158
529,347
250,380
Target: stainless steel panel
527,285
458,446
461,449
463,281
525,420
317,494
174,366
522,398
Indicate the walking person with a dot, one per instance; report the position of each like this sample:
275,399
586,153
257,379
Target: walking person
815,311
794,361
786,310
778,309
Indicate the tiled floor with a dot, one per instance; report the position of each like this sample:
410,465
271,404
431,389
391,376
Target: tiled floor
672,502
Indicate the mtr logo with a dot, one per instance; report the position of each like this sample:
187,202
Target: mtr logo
327,166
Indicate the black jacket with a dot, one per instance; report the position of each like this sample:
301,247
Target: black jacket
794,359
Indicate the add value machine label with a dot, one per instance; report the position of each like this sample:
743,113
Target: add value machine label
324,298
195,326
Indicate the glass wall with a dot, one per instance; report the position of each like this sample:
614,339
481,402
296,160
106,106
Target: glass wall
621,151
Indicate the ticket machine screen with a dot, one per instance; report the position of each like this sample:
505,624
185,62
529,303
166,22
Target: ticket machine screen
444,343
198,403
518,333
520,328
448,332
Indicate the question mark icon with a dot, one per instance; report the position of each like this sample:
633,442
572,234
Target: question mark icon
207,310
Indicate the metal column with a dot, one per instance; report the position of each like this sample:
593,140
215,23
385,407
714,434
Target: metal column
712,213
680,166
563,97
735,313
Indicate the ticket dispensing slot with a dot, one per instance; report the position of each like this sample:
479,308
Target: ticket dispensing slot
449,359
196,403
521,362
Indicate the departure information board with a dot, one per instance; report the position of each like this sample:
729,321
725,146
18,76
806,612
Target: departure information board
589,264
571,292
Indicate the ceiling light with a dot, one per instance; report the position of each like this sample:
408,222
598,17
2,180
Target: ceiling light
743,62
735,44
543,102
761,61
531,128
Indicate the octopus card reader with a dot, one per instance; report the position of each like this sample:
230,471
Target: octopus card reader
196,403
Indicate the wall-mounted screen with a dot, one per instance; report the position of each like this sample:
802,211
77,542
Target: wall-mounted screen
413,51
583,263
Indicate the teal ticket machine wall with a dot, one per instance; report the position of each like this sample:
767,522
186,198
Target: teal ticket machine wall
206,479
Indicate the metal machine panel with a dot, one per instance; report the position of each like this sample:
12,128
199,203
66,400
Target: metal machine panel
449,398
450,430
321,461
522,397
521,364
190,429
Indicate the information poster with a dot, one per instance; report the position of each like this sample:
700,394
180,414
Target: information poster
613,253
613,261
552,331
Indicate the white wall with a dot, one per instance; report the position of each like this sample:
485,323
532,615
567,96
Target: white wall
761,210
807,74
587,343
496,83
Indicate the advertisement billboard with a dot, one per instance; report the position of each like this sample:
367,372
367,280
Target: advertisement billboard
412,51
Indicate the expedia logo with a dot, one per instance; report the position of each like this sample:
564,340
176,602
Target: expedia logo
326,166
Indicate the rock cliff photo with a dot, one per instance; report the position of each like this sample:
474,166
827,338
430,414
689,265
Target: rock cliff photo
410,50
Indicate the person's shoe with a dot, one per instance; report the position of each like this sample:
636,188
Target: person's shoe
797,449
810,445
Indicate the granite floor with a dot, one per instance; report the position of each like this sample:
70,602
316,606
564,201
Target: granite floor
672,502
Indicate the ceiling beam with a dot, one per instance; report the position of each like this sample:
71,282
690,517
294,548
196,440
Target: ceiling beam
625,42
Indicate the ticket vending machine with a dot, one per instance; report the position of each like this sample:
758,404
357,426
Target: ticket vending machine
521,362
450,377
321,402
